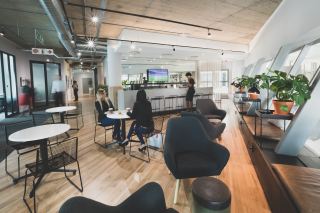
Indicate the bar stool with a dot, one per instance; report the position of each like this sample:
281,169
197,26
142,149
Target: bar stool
195,97
169,102
155,103
180,101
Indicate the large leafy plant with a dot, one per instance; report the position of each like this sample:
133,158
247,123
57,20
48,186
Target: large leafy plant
290,87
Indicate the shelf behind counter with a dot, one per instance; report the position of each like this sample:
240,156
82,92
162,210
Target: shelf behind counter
158,85
126,98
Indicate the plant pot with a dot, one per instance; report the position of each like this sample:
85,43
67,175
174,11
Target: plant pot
253,96
282,107
241,90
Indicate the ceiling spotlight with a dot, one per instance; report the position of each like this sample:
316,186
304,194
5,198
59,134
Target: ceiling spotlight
173,48
48,60
132,46
209,33
79,54
72,41
1,33
94,19
81,62
90,43
222,53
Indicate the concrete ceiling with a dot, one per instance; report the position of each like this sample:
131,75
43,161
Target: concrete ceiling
20,18
239,20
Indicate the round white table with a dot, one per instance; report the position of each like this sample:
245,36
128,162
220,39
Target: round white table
122,116
61,111
41,135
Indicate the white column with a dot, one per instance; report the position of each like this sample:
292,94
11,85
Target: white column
113,71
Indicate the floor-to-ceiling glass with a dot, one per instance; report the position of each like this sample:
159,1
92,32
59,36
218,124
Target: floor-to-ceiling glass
42,75
8,86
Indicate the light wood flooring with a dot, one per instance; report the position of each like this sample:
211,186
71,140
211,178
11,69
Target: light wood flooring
110,177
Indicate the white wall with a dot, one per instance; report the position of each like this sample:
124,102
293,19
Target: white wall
23,59
78,77
294,23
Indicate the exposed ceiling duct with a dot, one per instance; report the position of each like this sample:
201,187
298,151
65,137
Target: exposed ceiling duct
55,12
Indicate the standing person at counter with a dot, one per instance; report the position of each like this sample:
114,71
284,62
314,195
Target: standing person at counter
190,92
143,124
103,103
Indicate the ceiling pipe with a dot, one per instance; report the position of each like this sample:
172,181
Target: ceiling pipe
55,12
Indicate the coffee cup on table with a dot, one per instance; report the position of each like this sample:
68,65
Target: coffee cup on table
110,110
128,109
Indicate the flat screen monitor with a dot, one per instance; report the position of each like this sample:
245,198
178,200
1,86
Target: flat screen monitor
157,75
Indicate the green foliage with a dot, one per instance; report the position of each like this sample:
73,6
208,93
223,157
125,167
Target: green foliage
250,82
287,87
102,86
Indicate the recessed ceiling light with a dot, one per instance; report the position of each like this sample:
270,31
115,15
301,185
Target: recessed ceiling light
90,43
72,41
48,60
1,33
94,19
81,62
79,54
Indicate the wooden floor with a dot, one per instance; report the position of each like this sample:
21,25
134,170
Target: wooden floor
110,177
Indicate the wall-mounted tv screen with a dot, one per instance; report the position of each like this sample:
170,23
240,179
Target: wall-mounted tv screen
156,75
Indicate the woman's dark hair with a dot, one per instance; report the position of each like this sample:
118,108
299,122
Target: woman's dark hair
188,74
141,96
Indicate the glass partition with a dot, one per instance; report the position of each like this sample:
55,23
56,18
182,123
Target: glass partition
290,60
265,66
311,62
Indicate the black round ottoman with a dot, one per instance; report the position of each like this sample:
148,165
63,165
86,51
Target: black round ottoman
210,195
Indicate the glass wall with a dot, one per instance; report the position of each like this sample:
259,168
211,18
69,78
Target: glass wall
290,60
8,86
219,80
311,61
42,75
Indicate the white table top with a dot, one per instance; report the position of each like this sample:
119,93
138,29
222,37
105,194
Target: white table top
61,109
39,132
120,114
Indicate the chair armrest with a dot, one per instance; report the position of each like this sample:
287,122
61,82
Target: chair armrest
222,113
149,198
220,153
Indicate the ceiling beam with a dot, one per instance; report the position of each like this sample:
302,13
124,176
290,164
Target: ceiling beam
143,16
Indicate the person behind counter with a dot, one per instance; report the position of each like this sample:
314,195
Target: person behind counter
103,103
143,124
190,92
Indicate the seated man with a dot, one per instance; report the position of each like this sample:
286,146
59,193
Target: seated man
103,103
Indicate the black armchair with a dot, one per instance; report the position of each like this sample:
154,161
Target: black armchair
189,153
147,199
209,109
213,130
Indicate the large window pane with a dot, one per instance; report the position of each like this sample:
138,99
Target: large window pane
290,60
39,84
206,79
311,62
7,83
265,67
2,97
52,74
13,84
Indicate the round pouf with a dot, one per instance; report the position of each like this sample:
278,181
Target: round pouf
210,195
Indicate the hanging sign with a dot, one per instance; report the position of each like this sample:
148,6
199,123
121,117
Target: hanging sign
41,51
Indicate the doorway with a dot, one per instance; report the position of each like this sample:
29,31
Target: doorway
42,76
8,86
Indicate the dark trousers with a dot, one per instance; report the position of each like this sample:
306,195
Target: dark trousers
58,98
105,121
139,130
75,92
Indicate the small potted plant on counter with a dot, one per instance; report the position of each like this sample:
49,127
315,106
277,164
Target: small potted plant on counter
289,89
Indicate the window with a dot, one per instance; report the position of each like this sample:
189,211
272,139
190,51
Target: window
311,62
223,81
290,60
265,67
205,79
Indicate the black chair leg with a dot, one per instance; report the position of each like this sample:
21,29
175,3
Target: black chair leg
75,185
147,149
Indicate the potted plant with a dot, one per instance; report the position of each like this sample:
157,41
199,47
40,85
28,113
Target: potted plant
252,83
238,83
289,89
264,82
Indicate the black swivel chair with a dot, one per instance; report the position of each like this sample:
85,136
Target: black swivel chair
148,199
189,153
213,130
209,109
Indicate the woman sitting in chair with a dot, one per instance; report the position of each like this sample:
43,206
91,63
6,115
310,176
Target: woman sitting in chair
143,124
103,103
